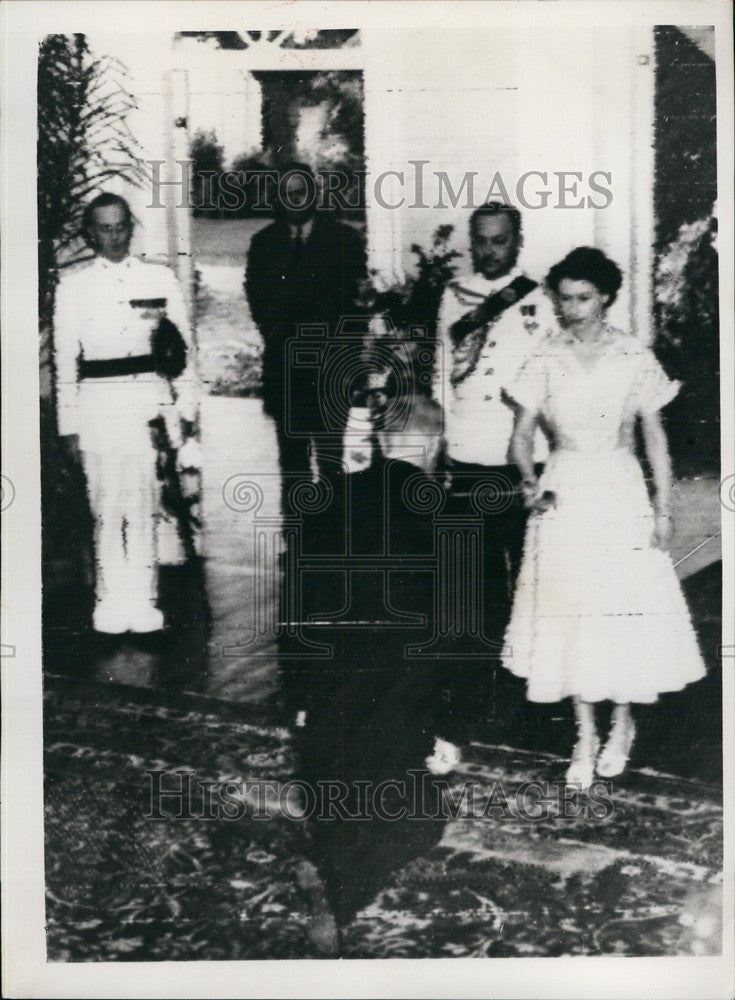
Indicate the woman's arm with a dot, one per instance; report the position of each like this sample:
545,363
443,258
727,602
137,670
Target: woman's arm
657,450
521,451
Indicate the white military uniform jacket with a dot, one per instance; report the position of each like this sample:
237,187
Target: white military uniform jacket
478,416
95,321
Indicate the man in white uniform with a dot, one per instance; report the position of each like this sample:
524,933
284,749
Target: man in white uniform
108,391
489,323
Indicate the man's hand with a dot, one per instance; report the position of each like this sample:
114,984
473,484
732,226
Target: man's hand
70,444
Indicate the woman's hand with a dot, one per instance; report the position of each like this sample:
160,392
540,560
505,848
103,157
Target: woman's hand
662,531
658,457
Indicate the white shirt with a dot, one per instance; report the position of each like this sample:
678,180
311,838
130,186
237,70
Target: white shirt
94,320
305,229
478,416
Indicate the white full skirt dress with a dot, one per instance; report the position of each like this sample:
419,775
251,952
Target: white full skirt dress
598,611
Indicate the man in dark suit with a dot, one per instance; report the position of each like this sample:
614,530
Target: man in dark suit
304,270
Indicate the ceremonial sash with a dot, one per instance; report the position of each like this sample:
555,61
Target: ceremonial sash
491,307
469,330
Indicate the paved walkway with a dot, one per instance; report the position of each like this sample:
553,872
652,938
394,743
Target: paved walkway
241,545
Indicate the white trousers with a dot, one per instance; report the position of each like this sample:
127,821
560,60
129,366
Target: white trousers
123,494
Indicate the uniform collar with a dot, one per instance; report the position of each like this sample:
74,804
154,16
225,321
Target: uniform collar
495,284
477,282
112,266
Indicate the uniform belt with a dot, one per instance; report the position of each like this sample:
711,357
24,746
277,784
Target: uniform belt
112,367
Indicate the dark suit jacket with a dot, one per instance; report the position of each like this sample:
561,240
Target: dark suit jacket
321,291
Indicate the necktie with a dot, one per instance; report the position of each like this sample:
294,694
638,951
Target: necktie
297,253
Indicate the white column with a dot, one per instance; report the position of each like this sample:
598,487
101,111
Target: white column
613,141
253,112
383,116
176,200
643,225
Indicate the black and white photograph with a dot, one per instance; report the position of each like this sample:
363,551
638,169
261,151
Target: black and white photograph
367,484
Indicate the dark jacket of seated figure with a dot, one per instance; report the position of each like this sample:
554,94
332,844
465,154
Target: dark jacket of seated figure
372,589
372,709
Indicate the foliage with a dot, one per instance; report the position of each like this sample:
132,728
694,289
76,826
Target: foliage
224,39
685,133
326,39
248,166
337,141
406,313
686,266
342,93
207,165
686,284
415,302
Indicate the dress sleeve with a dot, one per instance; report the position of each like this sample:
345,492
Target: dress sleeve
654,388
528,387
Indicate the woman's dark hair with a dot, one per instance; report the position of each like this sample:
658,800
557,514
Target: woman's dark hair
587,264
104,200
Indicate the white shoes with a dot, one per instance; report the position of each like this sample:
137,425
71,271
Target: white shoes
110,618
445,757
146,619
581,770
614,757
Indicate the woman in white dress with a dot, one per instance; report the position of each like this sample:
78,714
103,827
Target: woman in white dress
598,612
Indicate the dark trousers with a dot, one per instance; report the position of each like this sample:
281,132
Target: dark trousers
492,492
372,710
295,449
491,496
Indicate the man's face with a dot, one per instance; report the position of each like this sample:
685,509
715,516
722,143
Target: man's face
495,246
111,232
298,200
